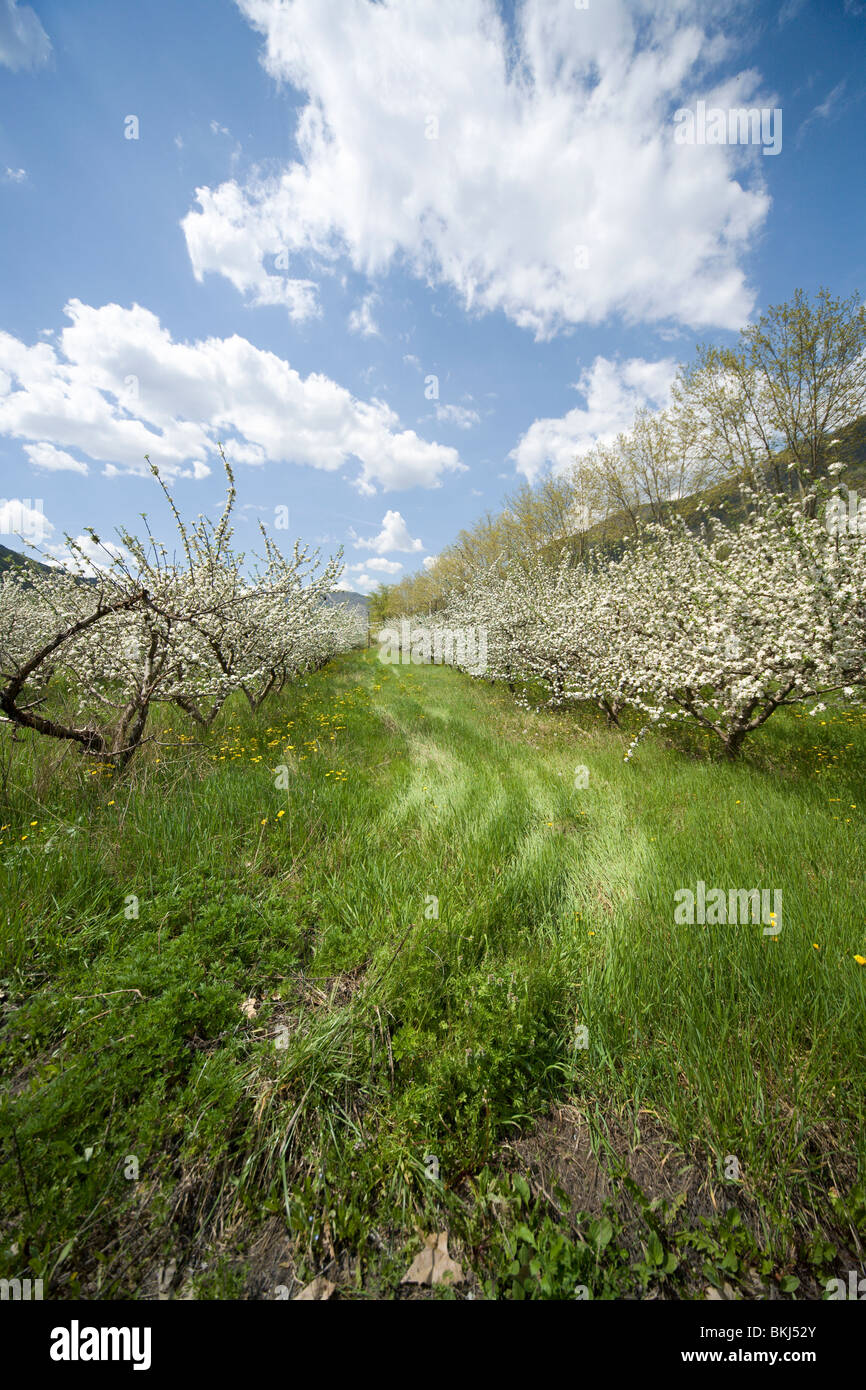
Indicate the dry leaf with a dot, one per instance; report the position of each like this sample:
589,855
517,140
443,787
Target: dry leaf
164,1280
421,1268
320,1289
434,1265
249,1008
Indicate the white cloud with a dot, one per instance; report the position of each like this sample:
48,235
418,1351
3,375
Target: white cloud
19,518
458,415
361,319
88,557
365,583
236,452
53,460
118,387
394,535
613,391
429,561
378,565
560,139
15,175
23,41
256,263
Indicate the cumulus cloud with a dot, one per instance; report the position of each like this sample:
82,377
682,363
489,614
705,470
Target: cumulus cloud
88,557
365,583
23,41
532,172
15,175
612,392
118,387
256,261
394,535
378,565
20,517
53,460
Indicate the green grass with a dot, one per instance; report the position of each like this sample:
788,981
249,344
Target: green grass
384,1033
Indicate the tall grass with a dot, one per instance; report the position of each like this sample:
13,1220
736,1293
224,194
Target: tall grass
424,930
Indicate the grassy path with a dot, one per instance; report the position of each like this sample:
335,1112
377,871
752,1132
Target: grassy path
261,993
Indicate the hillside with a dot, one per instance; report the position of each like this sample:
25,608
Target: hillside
725,499
14,559
349,599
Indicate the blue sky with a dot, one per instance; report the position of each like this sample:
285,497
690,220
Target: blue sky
330,202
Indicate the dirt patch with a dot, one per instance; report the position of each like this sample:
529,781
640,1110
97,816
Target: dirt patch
561,1153
623,1164
271,1272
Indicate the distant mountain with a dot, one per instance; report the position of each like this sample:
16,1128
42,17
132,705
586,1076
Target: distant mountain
347,598
13,559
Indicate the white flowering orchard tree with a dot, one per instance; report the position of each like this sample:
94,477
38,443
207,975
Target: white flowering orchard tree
727,626
86,654
720,625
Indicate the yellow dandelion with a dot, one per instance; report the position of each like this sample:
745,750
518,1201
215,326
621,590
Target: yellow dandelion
861,960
